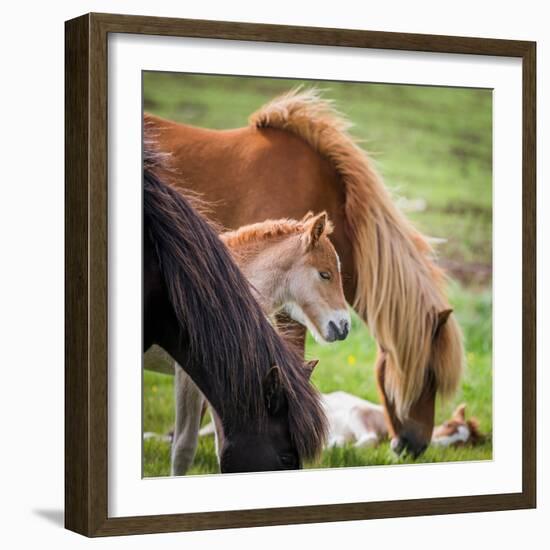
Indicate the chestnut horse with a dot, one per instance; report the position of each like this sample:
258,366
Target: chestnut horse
296,155
292,266
200,309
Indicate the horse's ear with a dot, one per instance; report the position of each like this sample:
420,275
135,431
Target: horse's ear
307,217
315,229
442,318
310,365
460,412
274,394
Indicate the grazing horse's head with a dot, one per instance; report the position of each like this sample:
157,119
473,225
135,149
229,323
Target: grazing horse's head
314,292
412,432
269,447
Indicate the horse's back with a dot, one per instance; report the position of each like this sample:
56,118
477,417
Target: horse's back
248,175
248,164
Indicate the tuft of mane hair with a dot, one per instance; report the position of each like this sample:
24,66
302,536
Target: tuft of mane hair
159,163
153,157
400,289
227,330
269,229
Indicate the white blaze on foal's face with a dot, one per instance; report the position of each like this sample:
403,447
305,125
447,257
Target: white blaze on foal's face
459,434
316,294
455,431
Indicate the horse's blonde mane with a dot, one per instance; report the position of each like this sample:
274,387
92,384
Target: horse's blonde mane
268,229
400,290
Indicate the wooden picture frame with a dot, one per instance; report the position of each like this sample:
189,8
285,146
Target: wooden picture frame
86,222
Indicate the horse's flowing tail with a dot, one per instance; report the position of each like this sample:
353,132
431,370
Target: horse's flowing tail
399,289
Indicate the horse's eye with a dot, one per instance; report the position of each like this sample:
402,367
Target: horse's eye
325,275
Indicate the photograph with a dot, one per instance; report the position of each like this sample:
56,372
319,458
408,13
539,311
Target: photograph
317,274
300,274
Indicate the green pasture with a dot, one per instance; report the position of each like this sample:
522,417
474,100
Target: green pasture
433,147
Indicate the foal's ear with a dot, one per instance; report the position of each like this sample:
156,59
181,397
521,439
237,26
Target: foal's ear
309,366
274,394
460,412
315,228
442,318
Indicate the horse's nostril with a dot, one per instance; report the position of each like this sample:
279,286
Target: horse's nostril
332,333
344,328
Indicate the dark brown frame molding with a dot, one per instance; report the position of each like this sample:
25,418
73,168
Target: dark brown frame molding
86,273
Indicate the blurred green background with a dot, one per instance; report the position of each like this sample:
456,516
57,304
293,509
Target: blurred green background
433,146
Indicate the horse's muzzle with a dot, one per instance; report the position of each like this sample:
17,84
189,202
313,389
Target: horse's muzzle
338,332
409,445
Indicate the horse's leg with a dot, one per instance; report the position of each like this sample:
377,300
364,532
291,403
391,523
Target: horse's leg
413,434
360,424
218,433
367,439
189,404
214,427
293,333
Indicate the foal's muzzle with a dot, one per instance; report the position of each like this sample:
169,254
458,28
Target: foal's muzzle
337,332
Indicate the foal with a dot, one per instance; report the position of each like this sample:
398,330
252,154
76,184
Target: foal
358,421
293,268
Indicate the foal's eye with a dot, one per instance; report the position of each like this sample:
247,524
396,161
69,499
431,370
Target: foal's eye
325,275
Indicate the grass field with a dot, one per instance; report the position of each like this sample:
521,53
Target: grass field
433,147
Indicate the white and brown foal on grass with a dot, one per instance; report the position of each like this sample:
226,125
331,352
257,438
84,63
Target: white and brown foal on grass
292,268
362,423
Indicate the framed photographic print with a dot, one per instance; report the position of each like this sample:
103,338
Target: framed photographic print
300,275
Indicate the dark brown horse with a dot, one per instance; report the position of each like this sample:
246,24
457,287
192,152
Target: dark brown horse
200,309
296,156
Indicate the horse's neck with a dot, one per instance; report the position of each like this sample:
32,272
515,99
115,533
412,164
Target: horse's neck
265,271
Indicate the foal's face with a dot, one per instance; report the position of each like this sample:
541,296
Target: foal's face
316,284
455,431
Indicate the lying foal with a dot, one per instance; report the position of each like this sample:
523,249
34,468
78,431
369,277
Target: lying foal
292,268
355,420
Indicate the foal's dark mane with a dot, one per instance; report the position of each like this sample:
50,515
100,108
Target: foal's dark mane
228,332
